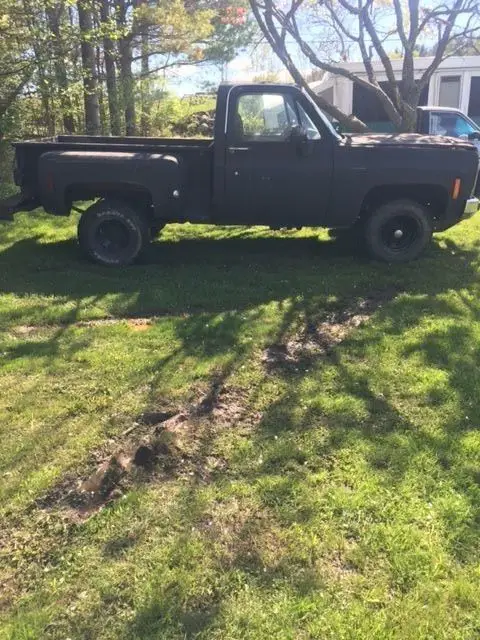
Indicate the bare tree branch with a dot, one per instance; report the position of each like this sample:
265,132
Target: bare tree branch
442,45
273,37
364,24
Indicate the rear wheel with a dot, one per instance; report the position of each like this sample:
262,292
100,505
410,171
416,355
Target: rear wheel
398,231
113,233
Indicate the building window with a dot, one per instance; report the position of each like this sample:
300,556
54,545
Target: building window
474,102
449,94
368,108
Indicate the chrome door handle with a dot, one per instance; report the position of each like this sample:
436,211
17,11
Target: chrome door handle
238,149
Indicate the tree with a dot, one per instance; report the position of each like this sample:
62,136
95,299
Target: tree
55,17
70,64
231,32
157,35
107,28
366,27
16,63
89,68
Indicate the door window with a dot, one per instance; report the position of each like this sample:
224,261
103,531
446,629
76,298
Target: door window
307,124
264,117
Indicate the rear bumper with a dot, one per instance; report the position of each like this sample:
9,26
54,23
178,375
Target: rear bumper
18,202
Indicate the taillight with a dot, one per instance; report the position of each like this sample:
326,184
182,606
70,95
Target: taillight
457,183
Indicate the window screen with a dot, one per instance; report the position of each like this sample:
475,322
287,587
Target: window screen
449,95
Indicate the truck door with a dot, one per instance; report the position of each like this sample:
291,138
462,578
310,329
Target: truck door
279,162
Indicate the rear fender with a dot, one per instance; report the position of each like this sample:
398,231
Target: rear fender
65,176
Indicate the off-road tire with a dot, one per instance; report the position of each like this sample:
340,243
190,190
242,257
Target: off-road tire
113,233
398,231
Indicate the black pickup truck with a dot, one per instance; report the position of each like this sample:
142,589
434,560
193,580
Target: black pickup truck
275,160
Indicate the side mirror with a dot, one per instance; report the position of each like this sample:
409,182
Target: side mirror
337,126
475,135
298,135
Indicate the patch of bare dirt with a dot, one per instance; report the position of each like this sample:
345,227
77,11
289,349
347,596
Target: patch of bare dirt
160,444
136,323
227,405
142,450
140,324
319,339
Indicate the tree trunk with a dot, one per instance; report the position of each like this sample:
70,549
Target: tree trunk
110,73
409,117
76,61
101,92
126,77
10,98
43,85
54,15
90,83
126,74
145,120
45,97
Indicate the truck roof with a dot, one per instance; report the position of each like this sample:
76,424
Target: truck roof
434,108
274,85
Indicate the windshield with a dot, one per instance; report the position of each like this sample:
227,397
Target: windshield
323,117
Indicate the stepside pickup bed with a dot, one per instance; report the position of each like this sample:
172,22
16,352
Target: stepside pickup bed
275,160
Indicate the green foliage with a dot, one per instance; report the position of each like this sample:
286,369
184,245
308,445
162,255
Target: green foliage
42,88
167,110
251,110
6,170
230,35
331,497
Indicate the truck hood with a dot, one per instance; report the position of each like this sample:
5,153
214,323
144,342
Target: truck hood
412,140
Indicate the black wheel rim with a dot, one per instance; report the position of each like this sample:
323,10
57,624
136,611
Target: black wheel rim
112,237
400,233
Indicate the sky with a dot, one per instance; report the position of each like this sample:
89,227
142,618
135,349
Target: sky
192,78
247,64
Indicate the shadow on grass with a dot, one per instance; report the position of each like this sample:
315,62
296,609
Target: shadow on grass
214,275
394,441
232,275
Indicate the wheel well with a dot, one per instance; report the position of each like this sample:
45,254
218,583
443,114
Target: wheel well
137,197
433,197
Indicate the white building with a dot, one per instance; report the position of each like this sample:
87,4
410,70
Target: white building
456,83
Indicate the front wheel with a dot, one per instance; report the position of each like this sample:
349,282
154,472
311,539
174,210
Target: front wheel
398,231
113,233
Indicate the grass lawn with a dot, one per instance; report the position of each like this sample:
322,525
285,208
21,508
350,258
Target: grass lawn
324,481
